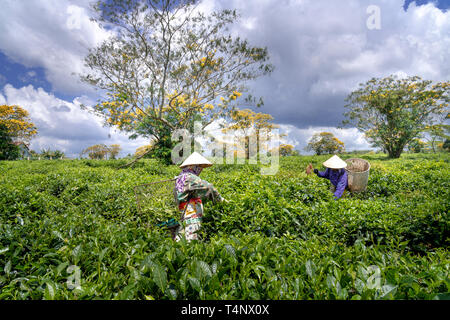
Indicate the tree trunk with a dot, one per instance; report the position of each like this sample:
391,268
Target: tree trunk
395,151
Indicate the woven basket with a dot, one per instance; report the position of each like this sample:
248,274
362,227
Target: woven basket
358,174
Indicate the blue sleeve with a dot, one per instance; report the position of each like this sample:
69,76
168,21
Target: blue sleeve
324,174
341,185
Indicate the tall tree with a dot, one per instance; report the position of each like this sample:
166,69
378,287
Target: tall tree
392,112
169,65
325,143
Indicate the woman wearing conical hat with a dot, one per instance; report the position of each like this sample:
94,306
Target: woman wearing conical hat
190,192
335,172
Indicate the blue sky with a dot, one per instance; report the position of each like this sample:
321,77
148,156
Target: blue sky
18,75
441,4
321,50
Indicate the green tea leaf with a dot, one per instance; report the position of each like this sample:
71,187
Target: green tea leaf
310,269
76,252
50,290
442,296
7,267
231,251
203,269
159,276
195,283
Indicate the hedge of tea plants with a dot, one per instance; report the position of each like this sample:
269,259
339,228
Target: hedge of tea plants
71,229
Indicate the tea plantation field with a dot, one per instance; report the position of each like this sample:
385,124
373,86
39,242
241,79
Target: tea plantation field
70,229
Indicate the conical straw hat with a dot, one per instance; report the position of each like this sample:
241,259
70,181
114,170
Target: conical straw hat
335,163
196,159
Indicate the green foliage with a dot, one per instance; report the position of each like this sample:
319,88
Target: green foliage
325,143
392,112
51,154
446,145
278,237
8,150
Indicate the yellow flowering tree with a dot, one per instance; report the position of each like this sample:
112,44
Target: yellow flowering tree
169,65
392,112
286,150
416,145
436,135
114,150
248,125
325,143
17,122
98,151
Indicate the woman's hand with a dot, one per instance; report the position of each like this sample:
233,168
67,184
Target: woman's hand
309,168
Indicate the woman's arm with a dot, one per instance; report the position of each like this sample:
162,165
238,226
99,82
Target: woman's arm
202,189
340,188
322,174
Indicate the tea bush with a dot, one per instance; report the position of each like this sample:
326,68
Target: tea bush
278,237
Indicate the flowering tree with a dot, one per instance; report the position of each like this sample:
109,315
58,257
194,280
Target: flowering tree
169,65
392,112
325,143
114,150
97,151
286,150
437,134
416,145
17,122
248,126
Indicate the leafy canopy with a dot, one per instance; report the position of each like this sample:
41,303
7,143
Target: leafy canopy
325,143
392,112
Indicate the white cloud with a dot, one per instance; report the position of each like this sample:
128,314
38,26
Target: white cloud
54,35
352,138
323,49
62,124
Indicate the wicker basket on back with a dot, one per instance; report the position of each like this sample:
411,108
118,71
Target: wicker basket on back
358,174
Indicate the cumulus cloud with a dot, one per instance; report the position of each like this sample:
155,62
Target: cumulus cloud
63,125
54,34
352,138
322,50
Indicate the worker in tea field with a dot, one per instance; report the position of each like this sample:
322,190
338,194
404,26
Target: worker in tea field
190,192
335,172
